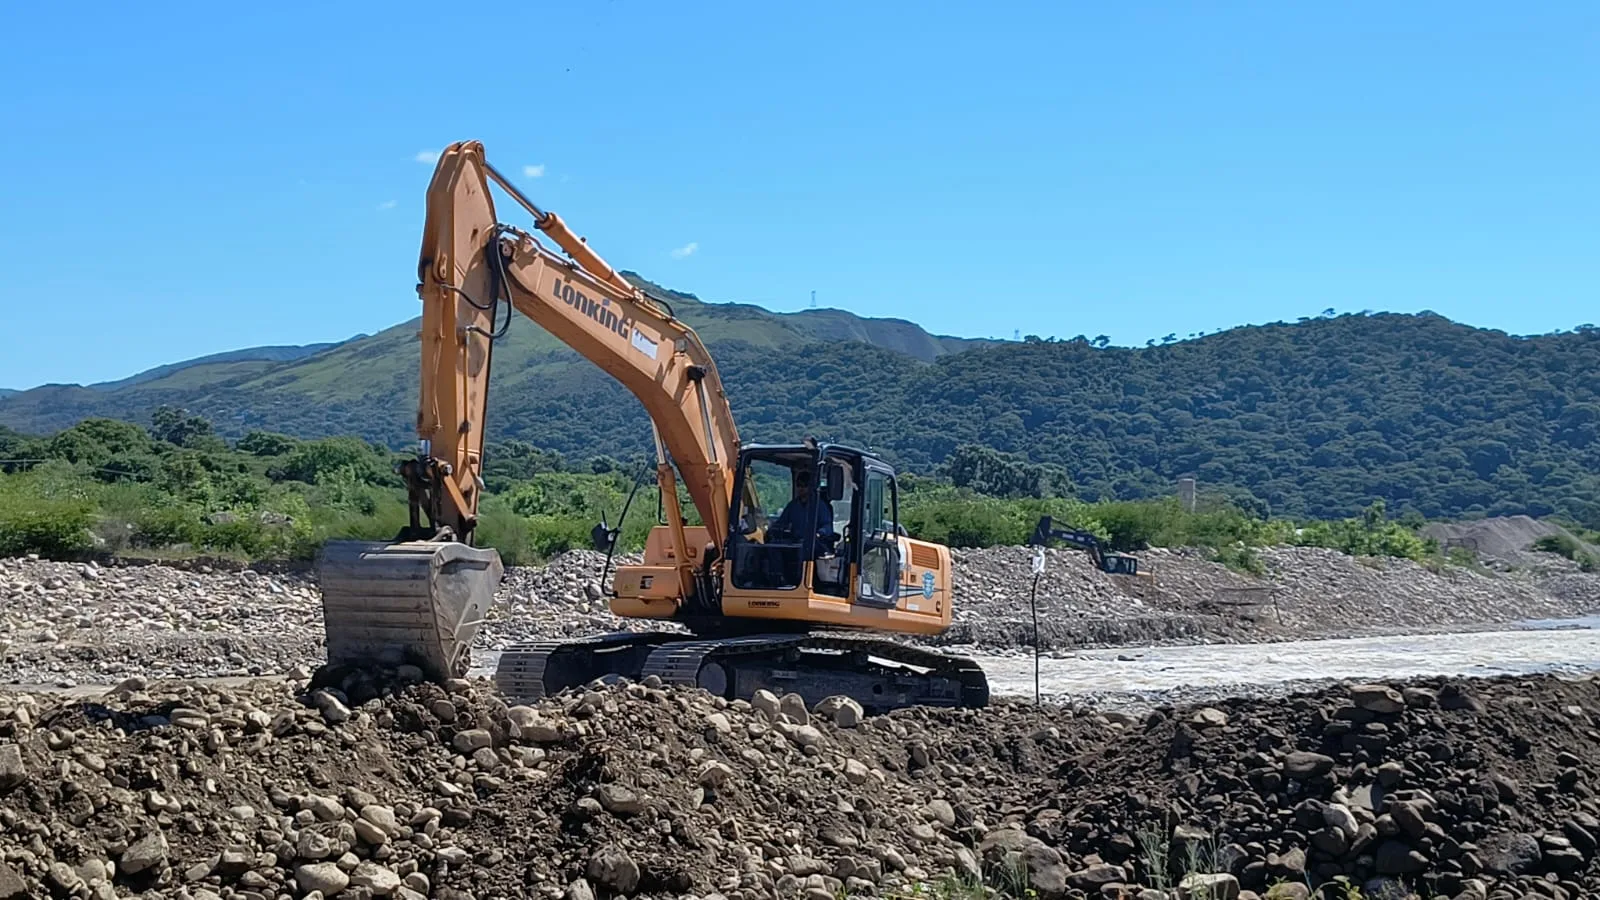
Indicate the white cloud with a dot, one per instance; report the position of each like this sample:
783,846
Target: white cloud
427,156
387,204
533,171
686,250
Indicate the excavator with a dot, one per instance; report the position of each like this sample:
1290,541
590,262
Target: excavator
793,575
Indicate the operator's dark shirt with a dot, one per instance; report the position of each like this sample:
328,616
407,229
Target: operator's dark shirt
800,511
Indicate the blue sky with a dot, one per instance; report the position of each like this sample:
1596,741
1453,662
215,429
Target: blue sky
183,179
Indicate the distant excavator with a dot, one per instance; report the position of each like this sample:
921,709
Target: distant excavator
1047,533
792,579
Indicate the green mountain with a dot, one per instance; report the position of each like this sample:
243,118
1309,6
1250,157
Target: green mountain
1317,418
249,354
367,385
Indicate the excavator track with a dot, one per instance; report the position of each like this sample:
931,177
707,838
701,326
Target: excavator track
879,674
537,669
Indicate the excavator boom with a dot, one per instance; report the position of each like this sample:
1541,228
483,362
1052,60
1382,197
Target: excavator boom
420,599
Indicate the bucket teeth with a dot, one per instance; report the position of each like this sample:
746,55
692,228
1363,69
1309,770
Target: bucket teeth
415,602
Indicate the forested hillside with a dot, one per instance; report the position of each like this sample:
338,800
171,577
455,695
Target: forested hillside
1316,418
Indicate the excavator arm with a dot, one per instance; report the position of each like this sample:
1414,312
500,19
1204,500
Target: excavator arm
471,265
421,598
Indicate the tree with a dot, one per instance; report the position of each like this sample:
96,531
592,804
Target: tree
315,461
266,443
997,474
177,426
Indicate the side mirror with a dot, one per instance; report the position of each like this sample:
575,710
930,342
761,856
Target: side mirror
835,482
601,537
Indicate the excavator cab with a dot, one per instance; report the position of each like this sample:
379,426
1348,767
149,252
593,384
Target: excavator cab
784,518
819,519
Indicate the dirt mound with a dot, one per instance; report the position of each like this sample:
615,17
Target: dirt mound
1506,539
1475,789
1306,592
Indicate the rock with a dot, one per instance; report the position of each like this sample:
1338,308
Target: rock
843,711
612,867
1408,815
1092,877
378,879
12,887
940,811
1395,858
323,809
381,816
12,770
1302,764
1290,863
313,845
807,736
1377,698
1209,887
148,852
619,800
714,774
794,706
472,739
522,716
63,877
1420,698
580,889
719,723
1289,890
334,712
1580,838
1454,697
370,833
1209,717
1340,817
93,870
765,702
323,876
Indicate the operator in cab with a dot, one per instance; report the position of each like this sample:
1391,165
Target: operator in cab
807,506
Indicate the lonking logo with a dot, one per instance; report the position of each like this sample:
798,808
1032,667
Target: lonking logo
598,310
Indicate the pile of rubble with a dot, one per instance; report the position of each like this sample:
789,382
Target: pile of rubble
562,599
392,788
1306,592
63,623
66,623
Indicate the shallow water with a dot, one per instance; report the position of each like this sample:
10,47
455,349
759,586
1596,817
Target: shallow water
1566,646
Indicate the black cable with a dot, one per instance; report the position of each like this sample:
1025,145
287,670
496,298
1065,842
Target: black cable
1033,606
622,517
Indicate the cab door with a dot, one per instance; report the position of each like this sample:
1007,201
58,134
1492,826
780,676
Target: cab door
879,582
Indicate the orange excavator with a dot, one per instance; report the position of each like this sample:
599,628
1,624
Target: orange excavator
795,578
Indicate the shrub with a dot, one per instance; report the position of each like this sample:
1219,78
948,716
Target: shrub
167,527
313,461
1240,558
54,528
1562,544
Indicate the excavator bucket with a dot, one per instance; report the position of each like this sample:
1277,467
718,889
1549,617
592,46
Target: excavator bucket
414,602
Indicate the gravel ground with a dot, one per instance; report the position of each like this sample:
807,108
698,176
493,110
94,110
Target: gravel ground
82,623
380,787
